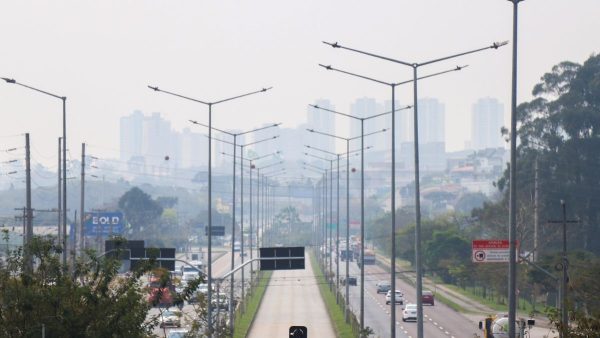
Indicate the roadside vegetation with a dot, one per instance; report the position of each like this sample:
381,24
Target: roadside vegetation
558,134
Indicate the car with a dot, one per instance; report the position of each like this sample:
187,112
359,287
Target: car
383,287
427,298
170,318
351,280
177,333
399,299
409,312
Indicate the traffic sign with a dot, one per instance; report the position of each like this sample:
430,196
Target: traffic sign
215,230
490,251
282,258
298,332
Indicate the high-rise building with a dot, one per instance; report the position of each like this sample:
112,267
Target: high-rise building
322,121
131,139
432,135
381,142
192,149
157,141
487,117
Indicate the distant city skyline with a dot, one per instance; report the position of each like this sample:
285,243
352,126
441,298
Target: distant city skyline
103,55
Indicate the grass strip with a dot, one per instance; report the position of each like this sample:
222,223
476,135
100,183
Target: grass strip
342,329
243,322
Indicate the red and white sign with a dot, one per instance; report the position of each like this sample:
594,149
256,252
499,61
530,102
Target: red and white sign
490,251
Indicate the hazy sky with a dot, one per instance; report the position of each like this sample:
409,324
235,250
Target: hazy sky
103,54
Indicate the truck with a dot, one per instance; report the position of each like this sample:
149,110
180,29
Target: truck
369,258
346,253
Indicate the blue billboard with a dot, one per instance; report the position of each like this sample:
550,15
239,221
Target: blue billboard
103,223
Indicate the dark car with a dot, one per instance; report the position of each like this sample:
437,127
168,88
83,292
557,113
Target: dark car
428,298
383,287
351,280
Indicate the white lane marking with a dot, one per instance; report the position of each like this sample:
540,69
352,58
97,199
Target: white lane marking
441,328
446,332
435,323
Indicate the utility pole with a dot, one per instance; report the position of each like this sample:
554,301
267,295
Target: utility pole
82,207
59,233
565,267
28,211
536,212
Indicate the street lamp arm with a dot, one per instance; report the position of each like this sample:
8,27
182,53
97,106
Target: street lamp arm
213,128
455,69
495,45
271,165
375,132
314,167
333,111
238,96
263,140
261,128
326,134
356,75
319,157
275,172
322,150
336,45
263,156
13,81
156,89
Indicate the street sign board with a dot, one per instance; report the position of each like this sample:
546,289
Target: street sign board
103,223
490,251
216,230
282,258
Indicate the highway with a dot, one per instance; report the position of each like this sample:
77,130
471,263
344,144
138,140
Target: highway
220,266
292,298
439,320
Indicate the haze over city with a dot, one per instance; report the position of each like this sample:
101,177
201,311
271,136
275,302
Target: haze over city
103,55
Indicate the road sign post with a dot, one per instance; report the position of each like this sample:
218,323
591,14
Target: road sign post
490,251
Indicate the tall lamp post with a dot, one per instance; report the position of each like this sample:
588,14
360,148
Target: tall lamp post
323,209
234,135
337,209
209,104
392,86
64,173
415,66
265,205
330,225
362,200
512,213
234,144
258,175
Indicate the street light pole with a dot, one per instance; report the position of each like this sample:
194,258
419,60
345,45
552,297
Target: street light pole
512,213
362,202
209,264
64,163
234,135
415,66
393,179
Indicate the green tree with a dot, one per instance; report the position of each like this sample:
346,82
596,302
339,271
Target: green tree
91,301
141,211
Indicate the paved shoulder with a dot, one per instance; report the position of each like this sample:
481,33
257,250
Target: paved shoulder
292,298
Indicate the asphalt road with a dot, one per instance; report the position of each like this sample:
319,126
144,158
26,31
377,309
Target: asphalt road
439,320
292,298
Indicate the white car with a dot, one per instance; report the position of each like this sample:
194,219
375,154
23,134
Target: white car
399,299
409,312
170,318
177,333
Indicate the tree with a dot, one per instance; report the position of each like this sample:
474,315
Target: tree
141,211
91,301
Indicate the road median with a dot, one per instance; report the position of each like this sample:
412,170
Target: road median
243,322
